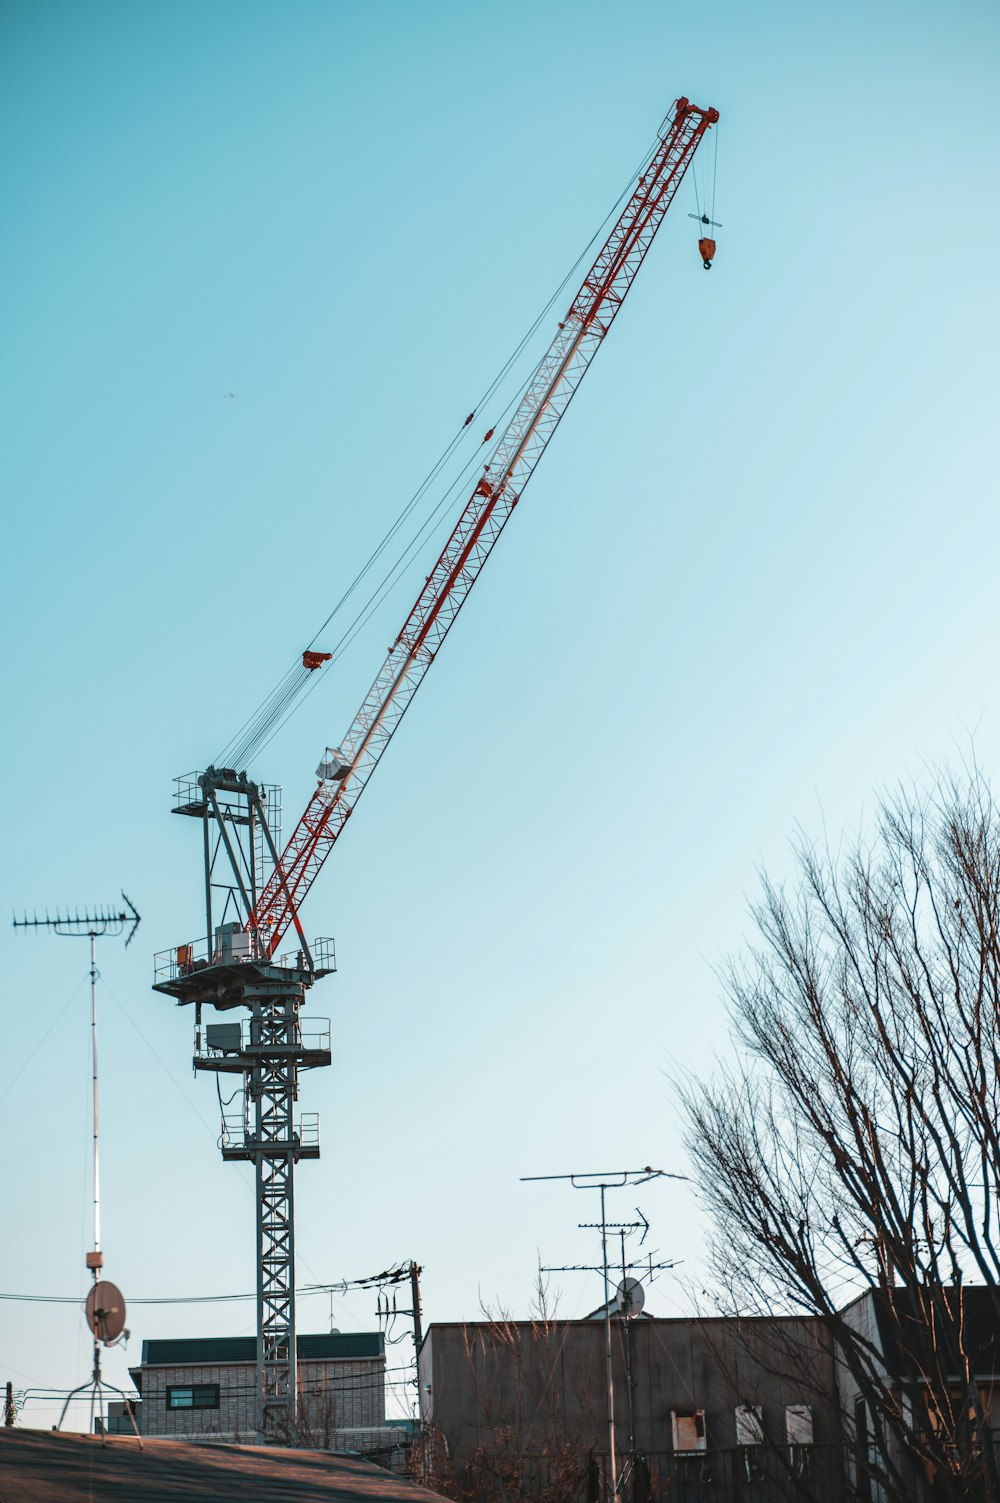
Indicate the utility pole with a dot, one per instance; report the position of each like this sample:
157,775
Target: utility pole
418,1334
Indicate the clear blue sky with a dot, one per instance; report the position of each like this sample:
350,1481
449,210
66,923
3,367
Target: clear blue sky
753,580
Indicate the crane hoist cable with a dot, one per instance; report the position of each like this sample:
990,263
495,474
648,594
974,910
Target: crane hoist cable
706,217
276,708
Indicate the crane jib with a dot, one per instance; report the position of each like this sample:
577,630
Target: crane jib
481,521
512,463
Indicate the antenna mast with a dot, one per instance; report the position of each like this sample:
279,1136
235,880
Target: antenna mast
105,1308
602,1181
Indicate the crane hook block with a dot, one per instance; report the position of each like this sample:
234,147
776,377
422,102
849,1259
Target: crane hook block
312,660
706,249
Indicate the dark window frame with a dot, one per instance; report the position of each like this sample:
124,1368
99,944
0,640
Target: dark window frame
203,1396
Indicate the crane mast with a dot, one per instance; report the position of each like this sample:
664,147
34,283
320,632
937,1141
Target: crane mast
345,770
237,964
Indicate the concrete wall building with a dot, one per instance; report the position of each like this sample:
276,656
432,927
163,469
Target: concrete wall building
981,1335
205,1388
722,1407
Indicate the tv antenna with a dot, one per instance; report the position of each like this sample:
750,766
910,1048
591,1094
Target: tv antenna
628,1301
104,1307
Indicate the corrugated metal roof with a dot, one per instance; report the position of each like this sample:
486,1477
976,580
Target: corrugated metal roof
208,1351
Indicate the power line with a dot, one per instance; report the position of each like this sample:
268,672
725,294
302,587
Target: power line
389,1276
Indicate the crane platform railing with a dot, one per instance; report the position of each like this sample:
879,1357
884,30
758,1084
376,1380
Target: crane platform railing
313,1036
238,1138
181,961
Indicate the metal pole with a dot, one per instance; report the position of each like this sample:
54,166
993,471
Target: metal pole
612,1471
93,925
208,878
96,1261
418,1334
93,1039
629,1379
614,1179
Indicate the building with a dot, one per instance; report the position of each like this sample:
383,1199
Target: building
897,1326
759,1410
205,1388
722,1408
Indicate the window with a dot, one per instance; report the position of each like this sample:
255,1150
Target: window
749,1425
197,1396
799,1424
689,1430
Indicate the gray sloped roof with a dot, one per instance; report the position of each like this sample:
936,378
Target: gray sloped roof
39,1466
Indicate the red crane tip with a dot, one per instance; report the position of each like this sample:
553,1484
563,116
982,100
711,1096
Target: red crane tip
313,660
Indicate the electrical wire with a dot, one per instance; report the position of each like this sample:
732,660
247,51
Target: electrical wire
168,1072
390,1276
20,1071
374,1383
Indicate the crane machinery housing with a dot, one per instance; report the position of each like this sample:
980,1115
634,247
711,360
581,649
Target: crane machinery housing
253,893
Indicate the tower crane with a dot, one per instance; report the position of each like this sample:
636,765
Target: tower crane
238,964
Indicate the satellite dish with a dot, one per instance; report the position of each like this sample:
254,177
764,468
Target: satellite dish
105,1309
631,1297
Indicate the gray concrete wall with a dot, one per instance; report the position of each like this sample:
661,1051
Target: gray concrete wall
543,1384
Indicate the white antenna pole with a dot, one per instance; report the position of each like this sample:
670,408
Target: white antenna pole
97,1150
94,925
608,1373
95,1261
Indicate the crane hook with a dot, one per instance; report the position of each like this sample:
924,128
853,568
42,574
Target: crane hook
706,247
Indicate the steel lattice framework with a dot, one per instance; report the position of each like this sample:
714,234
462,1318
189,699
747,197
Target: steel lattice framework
222,972
511,465
274,1085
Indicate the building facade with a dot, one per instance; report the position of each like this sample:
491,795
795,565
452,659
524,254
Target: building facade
205,1388
721,1408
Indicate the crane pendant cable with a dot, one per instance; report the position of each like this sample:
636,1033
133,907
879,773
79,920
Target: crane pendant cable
303,676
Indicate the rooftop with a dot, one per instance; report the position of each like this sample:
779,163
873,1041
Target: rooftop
43,1466
349,1346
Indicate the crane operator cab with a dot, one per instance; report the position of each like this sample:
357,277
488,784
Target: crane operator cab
706,245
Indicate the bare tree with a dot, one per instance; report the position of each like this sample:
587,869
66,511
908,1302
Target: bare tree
854,1149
